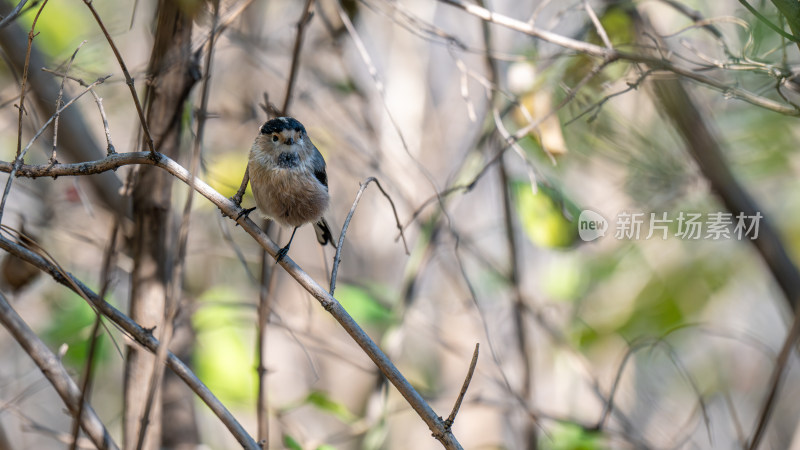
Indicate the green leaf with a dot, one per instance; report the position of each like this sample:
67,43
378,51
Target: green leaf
225,174
322,401
290,443
548,218
61,27
618,25
363,306
73,327
224,355
567,436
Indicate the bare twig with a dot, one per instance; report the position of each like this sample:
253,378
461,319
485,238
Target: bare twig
597,25
21,105
59,100
298,45
452,417
128,78
109,146
55,372
237,198
775,382
327,301
337,258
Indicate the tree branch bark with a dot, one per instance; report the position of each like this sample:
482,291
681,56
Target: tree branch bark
55,372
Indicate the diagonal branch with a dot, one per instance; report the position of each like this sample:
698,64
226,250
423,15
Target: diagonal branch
137,333
13,14
54,371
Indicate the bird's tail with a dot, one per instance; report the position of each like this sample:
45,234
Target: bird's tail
323,232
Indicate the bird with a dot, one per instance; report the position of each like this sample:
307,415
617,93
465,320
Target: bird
288,179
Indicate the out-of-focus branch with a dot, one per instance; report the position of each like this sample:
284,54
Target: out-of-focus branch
136,332
705,149
298,45
615,54
228,208
13,14
54,371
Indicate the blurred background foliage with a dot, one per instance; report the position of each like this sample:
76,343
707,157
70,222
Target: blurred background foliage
680,333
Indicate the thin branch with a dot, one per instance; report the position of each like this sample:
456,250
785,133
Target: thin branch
597,25
109,146
228,208
59,100
775,382
337,258
21,105
298,45
452,417
54,371
128,78
630,353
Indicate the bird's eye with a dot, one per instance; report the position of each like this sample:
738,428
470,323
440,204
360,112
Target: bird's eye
274,138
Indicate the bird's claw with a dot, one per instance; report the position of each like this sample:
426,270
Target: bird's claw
281,254
244,212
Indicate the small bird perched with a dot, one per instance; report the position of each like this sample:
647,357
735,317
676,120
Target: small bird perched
288,179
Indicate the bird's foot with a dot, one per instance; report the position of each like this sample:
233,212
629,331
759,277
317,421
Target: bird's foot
244,212
282,254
